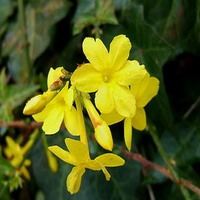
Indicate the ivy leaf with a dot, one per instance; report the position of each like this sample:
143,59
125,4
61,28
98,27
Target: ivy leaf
92,13
11,96
6,10
41,17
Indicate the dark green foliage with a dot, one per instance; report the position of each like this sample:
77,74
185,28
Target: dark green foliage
165,35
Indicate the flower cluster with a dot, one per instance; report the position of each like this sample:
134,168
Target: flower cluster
122,88
15,155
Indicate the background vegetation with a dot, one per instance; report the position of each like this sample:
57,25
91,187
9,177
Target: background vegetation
38,34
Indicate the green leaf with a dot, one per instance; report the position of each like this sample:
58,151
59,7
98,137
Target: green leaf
5,166
6,170
93,13
11,96
41,17
6,9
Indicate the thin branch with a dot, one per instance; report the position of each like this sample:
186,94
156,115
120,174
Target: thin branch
24,125
192,108
163,153
21,124
163,170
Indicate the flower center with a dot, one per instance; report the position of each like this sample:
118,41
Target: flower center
105,78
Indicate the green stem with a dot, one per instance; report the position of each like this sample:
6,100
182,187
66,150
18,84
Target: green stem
165,157
97,30
83,135
44,141
25,74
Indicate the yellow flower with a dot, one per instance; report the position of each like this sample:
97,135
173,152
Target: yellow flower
59,109
78,155
38,103
15,154
143,89
109,73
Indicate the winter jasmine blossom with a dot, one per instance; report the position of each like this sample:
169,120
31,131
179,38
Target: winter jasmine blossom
110,74
38,103
59,109
15,154
78,155
143,89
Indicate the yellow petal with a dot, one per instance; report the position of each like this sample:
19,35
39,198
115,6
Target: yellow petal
139,120
104,98
124,101
112,118
41,116
96,166
96,53
106,173
119,52
73,182
128,132
62,154
53,113
16,160
52,161
54,119
70,121
86,79
78,149
70,95
27,162
25,172
147,89
110,160
131,72
53,75
12,147
103,136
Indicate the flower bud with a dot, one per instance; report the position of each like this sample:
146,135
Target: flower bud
34,105
38,103
102,131
103,136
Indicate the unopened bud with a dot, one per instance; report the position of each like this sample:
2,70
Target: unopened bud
38,103
34,105
57,85
103,136
102,131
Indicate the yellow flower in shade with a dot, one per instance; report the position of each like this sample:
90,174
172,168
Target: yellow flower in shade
15,154
143,89
59,109
38,103
78,155
109,73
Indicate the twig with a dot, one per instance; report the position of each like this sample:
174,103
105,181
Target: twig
24,125
21,124
175,176
163,170
192,107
